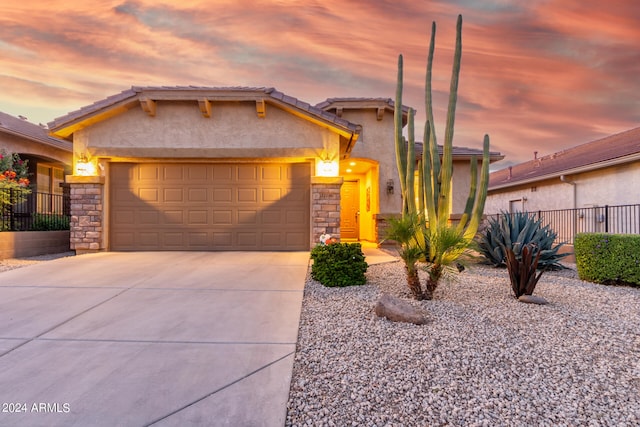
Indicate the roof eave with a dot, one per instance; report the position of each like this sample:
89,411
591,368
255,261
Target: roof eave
571,171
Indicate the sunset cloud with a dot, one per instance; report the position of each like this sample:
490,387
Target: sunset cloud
536,76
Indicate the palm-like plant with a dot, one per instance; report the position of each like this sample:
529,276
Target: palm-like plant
404,231
446,245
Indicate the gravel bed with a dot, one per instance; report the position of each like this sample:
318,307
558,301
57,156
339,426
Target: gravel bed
13,263
485,359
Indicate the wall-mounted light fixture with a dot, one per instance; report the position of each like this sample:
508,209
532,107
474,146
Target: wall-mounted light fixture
390,186
328,168
85,167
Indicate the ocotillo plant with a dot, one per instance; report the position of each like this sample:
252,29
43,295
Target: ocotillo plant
435,174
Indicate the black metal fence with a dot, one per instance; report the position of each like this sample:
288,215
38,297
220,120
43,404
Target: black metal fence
33,211
621,219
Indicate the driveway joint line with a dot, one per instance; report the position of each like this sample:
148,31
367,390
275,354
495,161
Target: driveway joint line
75,316
206,396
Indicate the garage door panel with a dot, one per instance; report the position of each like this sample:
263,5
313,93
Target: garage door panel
247,173
173,217
247,217
209,206
198,194
271,194
148,173
173,172
198,217
223,217
247,195
149,195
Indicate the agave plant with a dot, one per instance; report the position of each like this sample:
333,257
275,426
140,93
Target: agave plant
522,270
516,231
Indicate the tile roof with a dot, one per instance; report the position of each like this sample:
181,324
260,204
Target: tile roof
229,93
462,152
390,103
619,148
39,133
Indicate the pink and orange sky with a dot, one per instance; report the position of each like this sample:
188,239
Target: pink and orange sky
536,75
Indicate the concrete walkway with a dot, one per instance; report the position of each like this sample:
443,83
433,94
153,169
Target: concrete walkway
137,339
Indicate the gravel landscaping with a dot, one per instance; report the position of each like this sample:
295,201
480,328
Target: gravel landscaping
13,263
483,359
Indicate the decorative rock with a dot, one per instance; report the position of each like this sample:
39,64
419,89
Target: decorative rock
397,310
531,299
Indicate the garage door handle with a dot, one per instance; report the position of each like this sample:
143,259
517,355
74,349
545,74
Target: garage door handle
357,215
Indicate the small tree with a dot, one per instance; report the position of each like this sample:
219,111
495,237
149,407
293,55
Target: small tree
14,181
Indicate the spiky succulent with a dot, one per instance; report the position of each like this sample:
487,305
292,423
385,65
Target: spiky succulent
515,231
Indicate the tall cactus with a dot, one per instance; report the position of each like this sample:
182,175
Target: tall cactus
435,174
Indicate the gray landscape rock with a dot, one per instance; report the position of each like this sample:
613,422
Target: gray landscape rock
531,299
398,310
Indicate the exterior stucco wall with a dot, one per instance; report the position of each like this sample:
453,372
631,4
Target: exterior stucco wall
14,144
179,130
614,185
376,142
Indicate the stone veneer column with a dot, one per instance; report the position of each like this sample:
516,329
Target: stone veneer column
325,207
87,201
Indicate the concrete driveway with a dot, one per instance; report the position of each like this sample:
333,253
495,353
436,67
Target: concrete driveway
162,338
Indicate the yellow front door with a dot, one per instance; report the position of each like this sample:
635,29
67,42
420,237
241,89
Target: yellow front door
349,210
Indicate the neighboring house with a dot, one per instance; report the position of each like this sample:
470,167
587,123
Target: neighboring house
199,168
49,158
598,173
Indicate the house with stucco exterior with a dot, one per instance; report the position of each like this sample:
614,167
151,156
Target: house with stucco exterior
598,173
202,168
576,187
49,158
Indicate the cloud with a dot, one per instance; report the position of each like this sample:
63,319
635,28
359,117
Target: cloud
536,75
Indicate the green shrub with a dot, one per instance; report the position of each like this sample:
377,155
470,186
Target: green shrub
50,222
610,259
339,264
514,231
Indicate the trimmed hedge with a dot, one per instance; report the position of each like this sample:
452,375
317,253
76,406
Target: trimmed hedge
610,259
339,264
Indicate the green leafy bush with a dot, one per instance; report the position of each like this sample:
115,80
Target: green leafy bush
50,222
515,231
339,264
610,259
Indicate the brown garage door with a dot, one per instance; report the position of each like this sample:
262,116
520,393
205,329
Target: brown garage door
209,206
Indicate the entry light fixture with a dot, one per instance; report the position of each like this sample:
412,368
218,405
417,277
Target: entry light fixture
390,186
85,167
328,168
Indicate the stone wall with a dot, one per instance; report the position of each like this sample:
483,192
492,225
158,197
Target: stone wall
325,207
87,202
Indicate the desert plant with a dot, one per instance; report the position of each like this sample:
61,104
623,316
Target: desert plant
514,231
404,232
522,269
446,244
339,264
435,174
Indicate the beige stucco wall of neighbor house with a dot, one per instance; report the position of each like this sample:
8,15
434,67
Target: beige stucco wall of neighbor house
179,130
613,185
544,195
14,144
